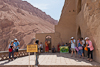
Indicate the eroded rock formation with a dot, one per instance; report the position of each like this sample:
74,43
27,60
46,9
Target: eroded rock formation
21,20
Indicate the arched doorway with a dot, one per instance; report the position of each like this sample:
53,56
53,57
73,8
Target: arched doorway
79,33
48,39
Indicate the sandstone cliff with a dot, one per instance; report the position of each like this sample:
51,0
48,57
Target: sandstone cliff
31,9
19,19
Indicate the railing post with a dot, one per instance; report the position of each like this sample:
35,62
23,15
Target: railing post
5,54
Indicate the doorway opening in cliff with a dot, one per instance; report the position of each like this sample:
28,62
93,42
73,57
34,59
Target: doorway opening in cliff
48,39
79,6
79,33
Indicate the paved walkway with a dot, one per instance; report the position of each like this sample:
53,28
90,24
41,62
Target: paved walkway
50,59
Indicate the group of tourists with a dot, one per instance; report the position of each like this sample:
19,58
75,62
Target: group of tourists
13,49
14,46
81,47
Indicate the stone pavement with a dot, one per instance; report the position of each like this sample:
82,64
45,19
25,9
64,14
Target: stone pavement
50,59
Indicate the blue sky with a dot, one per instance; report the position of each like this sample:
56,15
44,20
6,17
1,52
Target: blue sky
50,7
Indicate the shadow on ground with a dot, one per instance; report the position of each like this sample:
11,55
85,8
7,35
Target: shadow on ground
77,59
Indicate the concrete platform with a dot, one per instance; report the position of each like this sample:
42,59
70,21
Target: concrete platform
47,59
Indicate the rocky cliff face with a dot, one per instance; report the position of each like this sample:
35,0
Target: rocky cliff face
19,19
31,9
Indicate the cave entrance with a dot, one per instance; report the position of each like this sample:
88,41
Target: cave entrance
79,33
48,39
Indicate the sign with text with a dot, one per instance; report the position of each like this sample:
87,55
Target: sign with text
32,48
64,49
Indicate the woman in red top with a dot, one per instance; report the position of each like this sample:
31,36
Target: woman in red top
58,47
46,47
11,50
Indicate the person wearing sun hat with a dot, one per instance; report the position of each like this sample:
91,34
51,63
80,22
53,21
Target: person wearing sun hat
72,41
17,46
90,48
11,50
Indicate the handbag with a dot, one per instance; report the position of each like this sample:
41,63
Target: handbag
80,48
86,49
10,50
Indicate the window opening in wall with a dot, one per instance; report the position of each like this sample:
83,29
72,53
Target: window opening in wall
73,10
79,6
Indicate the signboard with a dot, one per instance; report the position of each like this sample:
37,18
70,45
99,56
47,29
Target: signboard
64,49
32,48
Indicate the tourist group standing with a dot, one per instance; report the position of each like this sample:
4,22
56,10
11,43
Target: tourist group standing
82,45
13,49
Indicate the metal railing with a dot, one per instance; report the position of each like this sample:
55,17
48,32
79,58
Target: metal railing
4,55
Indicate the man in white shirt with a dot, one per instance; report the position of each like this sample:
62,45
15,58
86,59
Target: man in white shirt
41,47
83,42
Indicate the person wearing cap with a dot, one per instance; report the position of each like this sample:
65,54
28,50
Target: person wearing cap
90,48
72,41
16,46
11,50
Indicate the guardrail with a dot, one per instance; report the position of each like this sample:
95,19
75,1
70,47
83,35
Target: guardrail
4,55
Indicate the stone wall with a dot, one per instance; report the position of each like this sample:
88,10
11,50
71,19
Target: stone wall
79,18
42,38
67,23
88,20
